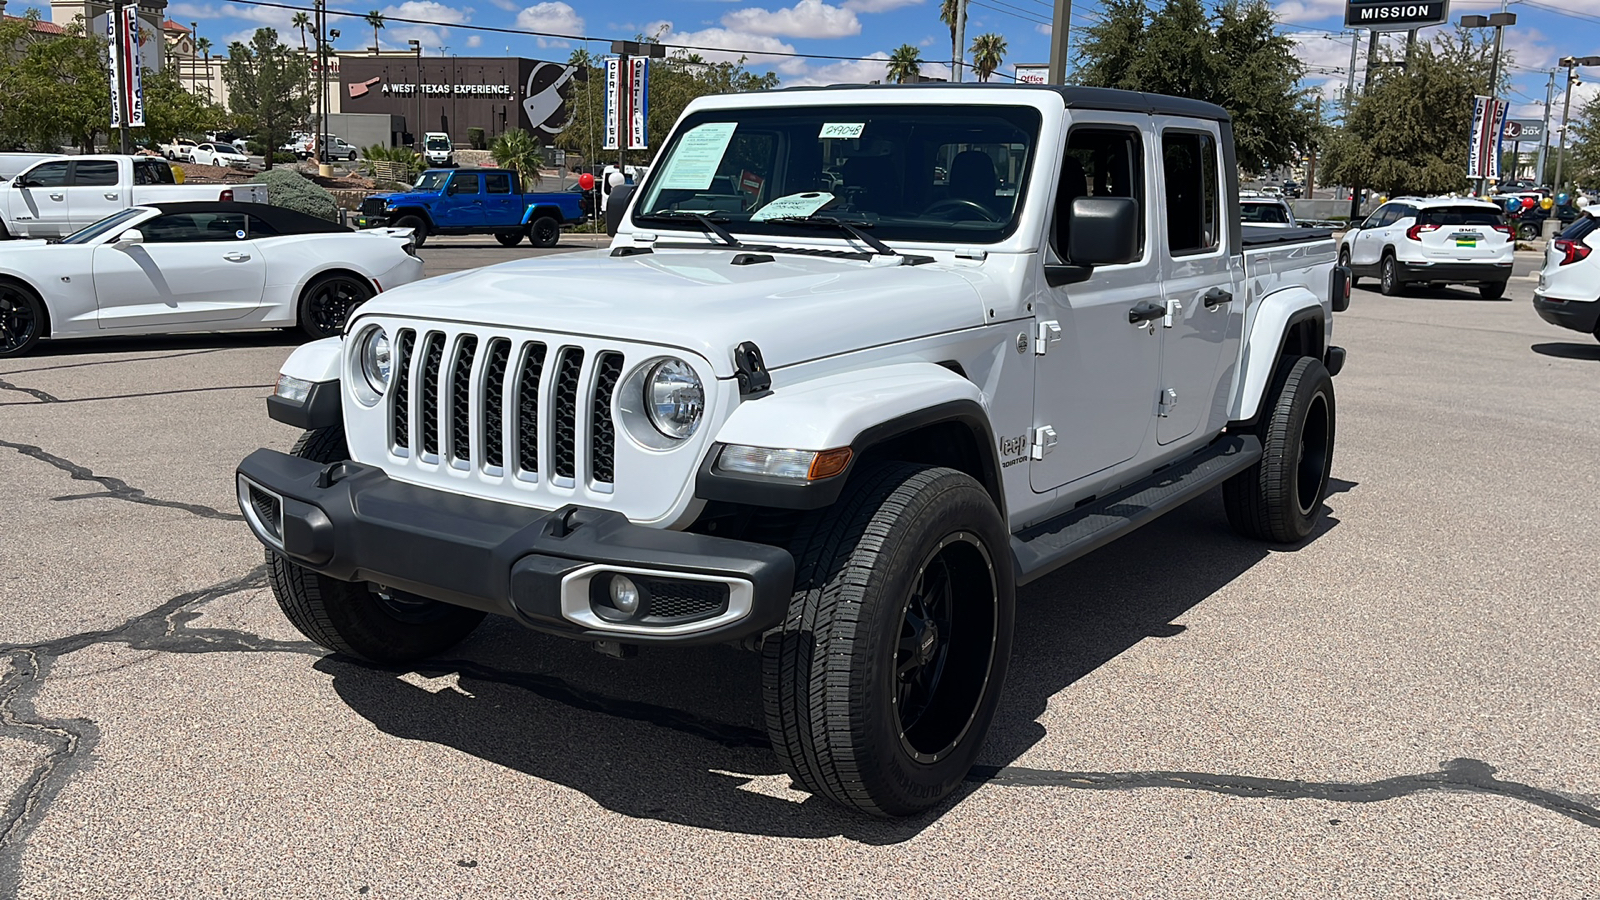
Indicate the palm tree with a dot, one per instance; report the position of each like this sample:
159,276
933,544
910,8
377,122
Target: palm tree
904,64
375,19
302,22
204,46
987,52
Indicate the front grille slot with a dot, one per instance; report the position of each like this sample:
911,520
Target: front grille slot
371,206
528,408
602,434
268,511
494,395
432,359
461,400
400,411
564,421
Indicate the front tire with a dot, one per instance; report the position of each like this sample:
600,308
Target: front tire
881,683
419,228
545,231
22,320
328,302
356,618
1389,276
1279,499
508,238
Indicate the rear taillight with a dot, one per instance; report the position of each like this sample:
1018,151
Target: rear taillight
226,196
1415,231
1571,251
1505,230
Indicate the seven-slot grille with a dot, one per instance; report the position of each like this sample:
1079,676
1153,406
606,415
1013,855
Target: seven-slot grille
372,206
502,384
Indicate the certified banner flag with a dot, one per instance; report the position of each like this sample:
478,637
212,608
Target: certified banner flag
116,79
614,103
132,72
1483,151
638,103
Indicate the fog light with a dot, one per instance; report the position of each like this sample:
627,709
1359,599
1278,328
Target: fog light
624,594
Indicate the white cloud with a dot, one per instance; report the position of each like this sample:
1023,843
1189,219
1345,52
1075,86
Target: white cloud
753,47
507,5
877,6
429,11
475,40
554,17
1044,29
1301,11
845,72
806,19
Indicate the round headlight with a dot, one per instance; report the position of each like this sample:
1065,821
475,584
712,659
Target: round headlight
377,359
674,398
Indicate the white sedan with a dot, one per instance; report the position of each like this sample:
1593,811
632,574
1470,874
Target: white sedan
214,154
197,266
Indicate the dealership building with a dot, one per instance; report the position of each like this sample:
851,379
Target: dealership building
453,94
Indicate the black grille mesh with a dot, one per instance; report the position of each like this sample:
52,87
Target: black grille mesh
565,421
684,599
494,383
432,359
400,412
372,206
461,399
528,408
266,507
602,433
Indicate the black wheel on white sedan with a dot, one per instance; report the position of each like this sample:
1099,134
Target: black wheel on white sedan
329,300
22,319
1492,290
881,684
508,238
419,228
1279,499
360,619
545,231
1389,276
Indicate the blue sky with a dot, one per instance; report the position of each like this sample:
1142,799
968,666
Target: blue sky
1545,31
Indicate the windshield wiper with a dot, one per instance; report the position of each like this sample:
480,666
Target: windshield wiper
710,224
851,227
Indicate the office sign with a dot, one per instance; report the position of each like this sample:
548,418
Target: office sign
1032,73
1395,15
1524,130
1483,149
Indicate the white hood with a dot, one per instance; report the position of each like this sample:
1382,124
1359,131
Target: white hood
794,308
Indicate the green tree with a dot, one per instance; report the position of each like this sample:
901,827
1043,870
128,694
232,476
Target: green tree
375,19
905,64
65,90
302,22
1582,165
170,109
988,51
1409,133
516,150
267,87
1232,57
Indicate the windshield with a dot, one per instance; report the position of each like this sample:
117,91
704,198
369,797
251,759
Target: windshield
438,143
432,181
916,173
114,222
1264,212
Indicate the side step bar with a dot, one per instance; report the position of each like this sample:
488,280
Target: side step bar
1048,546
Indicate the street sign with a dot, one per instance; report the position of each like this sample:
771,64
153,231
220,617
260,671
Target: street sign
1523,130
1395,15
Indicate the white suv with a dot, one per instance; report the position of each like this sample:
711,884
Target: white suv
1447,240
1569,285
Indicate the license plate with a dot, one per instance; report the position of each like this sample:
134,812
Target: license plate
1466,240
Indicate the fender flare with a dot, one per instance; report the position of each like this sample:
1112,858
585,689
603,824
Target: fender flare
1274,317
860,410
534,212
317,362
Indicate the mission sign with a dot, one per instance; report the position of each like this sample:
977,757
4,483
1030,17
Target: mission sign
1395,15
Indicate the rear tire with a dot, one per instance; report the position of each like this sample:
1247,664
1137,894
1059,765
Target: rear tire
881,683
1389,276
1279,499
545,231
328,302
23,319
1344,260
356,618
419,228
508,238
1492,290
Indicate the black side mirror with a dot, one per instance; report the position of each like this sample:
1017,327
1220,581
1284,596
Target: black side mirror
1102,231
616,205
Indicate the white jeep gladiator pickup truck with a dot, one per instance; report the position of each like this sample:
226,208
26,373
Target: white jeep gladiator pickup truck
57,197
859,362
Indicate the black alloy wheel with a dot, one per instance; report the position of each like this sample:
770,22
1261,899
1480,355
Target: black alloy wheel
21,320
544,232
328,303
944,658
1388,276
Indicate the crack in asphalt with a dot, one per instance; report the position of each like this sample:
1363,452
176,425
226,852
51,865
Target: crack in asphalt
112,362
50,399
115,488
35,393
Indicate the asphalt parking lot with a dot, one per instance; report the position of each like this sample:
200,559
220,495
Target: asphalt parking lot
1407,704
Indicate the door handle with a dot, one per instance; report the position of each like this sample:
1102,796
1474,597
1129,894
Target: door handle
112,196
57,197
236,257
1145,311
1216,297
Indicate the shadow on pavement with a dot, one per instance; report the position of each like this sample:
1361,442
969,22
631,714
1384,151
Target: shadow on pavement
210,340
1569,351
677,735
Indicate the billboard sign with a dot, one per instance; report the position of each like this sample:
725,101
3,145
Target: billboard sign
1483,150
1395,15
1524,130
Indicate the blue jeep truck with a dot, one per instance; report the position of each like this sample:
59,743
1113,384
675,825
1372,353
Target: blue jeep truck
474,201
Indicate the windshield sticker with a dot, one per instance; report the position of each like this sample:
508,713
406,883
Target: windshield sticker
793,205
842,129
697,155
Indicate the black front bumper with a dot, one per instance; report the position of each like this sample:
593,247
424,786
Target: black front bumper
354,523
378,220
1455,273
1579,315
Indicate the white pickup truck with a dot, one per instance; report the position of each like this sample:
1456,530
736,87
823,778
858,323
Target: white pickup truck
859,362
57,197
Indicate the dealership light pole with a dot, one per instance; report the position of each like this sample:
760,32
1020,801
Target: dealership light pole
1571,63
1060,27
416,130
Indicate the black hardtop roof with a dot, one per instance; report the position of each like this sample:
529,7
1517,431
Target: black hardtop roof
469,170
285,221
1071,97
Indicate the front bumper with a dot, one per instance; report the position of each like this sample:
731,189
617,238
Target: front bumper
1578,315
1455,272
548,570
372,221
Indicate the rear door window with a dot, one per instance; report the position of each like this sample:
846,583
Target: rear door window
1189,160
95,173
497,182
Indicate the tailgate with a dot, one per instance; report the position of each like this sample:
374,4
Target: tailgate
1469,234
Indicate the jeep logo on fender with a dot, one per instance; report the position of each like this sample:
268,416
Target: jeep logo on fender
1396,15
1014,446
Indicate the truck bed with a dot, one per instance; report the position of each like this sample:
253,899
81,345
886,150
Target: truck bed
1261,236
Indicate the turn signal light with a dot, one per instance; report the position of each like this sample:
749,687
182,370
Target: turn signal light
829,463
1571,251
